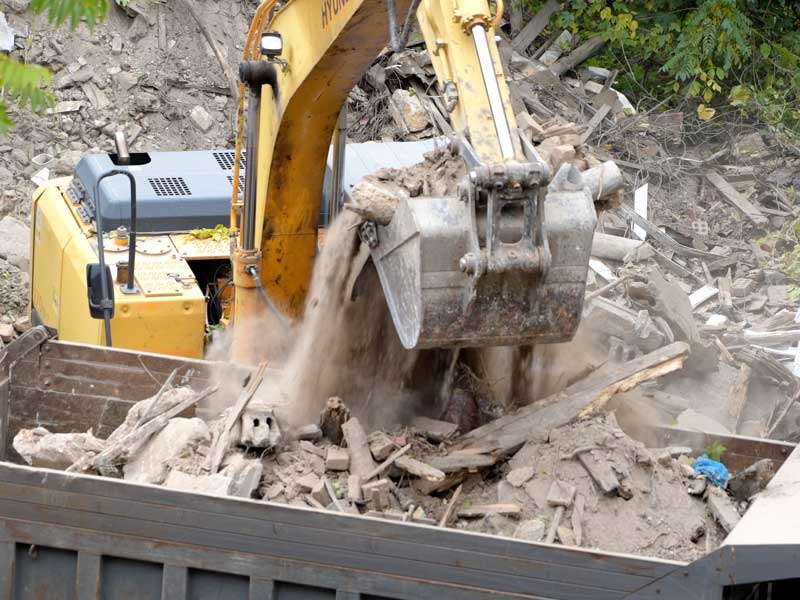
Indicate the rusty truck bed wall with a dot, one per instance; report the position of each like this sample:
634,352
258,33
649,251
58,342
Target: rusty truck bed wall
69,388
65,536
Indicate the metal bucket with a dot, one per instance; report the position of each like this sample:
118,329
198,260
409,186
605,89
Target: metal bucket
434,302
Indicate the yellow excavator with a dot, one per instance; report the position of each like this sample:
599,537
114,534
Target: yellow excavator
137,236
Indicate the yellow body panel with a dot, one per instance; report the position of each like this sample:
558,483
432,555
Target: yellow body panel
327,46
167,316
445,29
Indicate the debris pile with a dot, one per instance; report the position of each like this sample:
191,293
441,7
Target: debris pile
576,479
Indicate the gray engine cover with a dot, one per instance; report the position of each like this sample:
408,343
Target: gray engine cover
176,191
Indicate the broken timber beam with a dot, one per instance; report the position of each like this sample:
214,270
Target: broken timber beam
506,434
728,192
581,53
662,237
535,26
738,396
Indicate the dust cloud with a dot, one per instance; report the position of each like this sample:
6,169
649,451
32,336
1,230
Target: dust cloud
346,344
348,347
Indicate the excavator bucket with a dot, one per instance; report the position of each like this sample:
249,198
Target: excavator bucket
457,274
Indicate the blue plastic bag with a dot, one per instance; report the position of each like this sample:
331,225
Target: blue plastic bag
714,470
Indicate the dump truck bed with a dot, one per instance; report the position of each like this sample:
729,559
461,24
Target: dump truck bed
77,536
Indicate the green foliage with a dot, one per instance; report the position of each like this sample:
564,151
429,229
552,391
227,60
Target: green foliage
739,53
59,11
715,451
27,85
217,233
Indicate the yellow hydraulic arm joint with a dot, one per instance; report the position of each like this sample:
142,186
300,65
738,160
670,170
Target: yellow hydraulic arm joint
327,46
459,35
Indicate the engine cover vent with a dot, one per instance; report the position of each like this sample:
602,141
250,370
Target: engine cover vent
241,183
225,159
169,186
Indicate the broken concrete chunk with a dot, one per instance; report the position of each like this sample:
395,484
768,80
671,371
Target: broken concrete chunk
309,433
722,509
377,493
179,439
560,493
698,486
742,287
14,242
321,494
312,449
354,488
216,484
6,332
436,431
419,468
337,459
201,118
556,49
752,480
273,490
565,536
244,473
687,471
307,482
407,111
259,427
482,510
519,477
361,462
531,530
600,472
380,445
41,448
375,200
22,324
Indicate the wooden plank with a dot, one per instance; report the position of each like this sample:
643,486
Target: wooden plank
87,576
535,26
451,506
377,470
738,396
460,461
361,462
594,122
220,445
728,192
174,583
419,468
589,48
507,433
662,237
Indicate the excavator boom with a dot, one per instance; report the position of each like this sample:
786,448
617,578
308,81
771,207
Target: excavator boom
504,262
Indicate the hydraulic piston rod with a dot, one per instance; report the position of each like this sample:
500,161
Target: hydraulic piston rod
493,90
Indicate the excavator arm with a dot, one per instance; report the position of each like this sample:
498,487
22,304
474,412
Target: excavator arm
477,269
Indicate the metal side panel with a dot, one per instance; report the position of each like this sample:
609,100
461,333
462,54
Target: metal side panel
137,541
